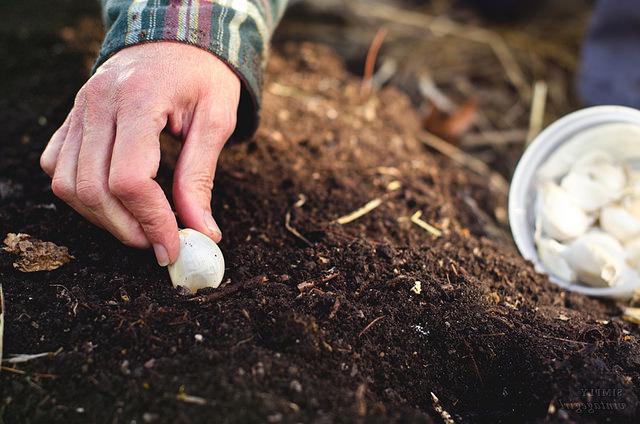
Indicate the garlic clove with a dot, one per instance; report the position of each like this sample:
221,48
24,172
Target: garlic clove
619,222
200,263
561,218
597,259
633,254
603,170
551,254
586,192
632,204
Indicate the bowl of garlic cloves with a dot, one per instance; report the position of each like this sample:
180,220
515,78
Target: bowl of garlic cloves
574,202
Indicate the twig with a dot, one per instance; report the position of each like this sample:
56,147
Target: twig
243,341
415,218
446,417
565,340
287,225
228,290
370,325
495,138
370,61
359,212
184,397
306,285
452,152
473,362
13,370
25,357
334,309
538,104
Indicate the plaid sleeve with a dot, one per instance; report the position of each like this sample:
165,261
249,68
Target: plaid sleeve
236,31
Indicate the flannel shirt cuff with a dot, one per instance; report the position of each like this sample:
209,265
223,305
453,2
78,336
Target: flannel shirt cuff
238,37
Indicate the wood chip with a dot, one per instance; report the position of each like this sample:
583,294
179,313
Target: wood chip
35,255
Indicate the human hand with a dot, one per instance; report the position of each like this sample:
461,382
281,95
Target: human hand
105,156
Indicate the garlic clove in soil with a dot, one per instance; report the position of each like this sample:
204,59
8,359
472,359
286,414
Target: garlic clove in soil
200,263
619,222
597,258
551,255
561,218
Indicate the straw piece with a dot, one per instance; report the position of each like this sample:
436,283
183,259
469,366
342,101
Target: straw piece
359,212
538,104
415,218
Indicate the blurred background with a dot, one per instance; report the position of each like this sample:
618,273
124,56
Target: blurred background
485,75
471,67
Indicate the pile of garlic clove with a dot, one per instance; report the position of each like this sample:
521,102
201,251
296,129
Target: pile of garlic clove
588,221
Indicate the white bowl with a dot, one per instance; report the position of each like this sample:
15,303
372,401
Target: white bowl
550,154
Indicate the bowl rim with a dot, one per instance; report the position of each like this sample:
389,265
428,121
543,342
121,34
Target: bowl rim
538,151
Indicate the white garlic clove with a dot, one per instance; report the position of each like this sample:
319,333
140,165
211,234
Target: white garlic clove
619,222
633,254
551,255
603,170
597,259
561,218
632,204
200,263
586,192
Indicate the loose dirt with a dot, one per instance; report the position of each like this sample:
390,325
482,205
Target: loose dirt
317,321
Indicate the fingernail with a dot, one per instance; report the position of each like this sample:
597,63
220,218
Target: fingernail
161,254
211,225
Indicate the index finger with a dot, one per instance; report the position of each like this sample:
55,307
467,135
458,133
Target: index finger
134,164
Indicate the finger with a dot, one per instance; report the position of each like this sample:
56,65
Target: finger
195,170
63,183
134,164
49,157
92,177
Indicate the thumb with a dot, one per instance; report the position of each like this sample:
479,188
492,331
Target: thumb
195,170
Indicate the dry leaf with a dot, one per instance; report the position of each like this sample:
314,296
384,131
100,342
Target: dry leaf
35,255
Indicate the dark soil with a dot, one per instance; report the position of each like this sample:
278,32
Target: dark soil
325,329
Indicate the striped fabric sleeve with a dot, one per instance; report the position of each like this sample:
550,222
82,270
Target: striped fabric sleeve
236,31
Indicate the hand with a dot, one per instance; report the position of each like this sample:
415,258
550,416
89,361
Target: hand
105,156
